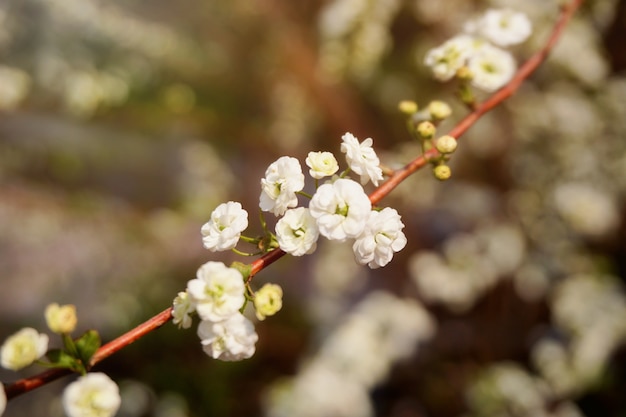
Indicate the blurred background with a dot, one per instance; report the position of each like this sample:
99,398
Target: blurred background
124,123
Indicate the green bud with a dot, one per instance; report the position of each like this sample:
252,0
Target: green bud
442,172
446,144
426,129
407,107
439,110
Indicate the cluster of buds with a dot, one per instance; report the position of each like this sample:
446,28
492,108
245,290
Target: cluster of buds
423,126
339,210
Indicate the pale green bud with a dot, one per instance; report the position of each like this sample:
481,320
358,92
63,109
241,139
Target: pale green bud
439,110
268,300
442,172
426,130
446,144
407,107
61,319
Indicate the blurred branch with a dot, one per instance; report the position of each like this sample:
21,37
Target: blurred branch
398,176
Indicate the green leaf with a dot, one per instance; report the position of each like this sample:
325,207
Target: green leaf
87,345
61,359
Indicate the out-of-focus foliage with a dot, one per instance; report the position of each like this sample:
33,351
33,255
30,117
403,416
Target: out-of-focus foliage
124,123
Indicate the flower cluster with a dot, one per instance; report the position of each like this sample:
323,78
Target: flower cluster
92,394
217,296
338,210
477,55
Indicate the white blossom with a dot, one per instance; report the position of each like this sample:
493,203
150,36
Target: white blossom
182,309
446,59
341,209
381,238
297,232
23,348
92,395
362,158
227,222
503,27
322,164
283,178
217,292
491,67
229,340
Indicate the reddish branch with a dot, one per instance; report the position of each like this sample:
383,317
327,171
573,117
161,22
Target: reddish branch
398,176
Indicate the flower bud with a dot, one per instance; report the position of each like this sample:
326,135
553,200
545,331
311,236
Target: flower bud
268,301
426,130
446,144
407,107
61,319
442,172
439,110
464,73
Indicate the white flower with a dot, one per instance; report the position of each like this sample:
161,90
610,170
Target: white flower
229,340
322,164
341,209
182,309
92,395
503,27
23,348
491,67
3,399
283,178
227,222
446,59
362,158
297,232
217,292
381,238
268,300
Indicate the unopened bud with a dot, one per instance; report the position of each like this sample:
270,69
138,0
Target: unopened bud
446,144
426,130
407,107
439,110
61,319
442,172
268,300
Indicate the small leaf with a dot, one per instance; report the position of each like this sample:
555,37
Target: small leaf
87,345
61,359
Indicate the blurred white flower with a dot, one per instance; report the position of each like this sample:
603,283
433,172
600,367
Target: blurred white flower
92,395
491,67
217,292
445,60
341,209
283,178
232,339
297,232
503,27
227,222
182,309
587,209
362,158
322,164
381,238
14,86
23,348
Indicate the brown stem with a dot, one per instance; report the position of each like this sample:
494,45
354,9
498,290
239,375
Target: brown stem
28,384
